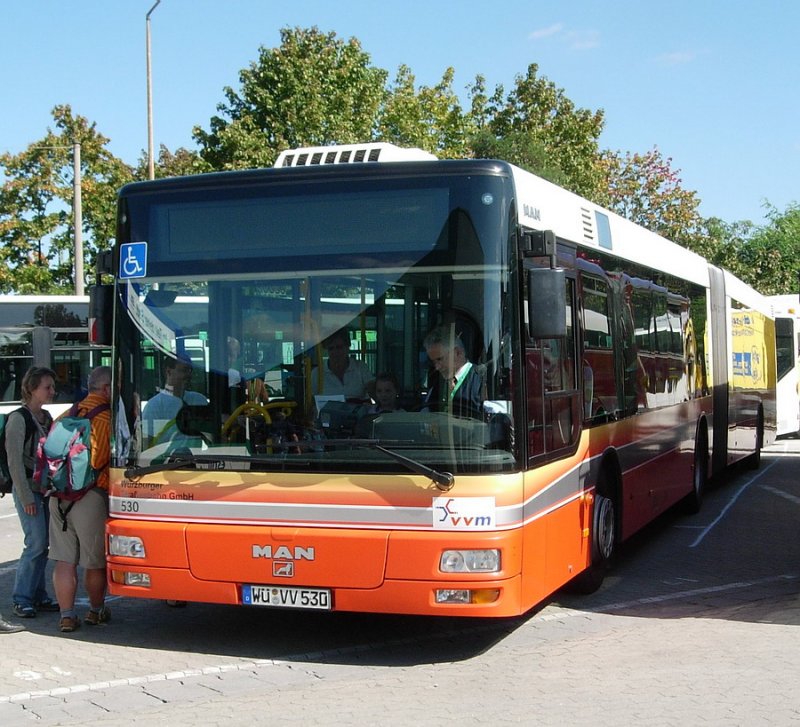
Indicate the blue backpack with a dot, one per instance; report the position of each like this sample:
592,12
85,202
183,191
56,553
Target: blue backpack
64,458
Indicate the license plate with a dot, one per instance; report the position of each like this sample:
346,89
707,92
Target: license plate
282,597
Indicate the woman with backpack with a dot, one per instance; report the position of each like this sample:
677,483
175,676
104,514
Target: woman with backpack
24,428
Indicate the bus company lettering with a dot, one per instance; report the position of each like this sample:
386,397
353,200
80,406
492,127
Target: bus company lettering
283,552
138,485
463,513
531,212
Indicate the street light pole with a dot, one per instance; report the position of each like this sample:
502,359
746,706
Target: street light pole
77,213
151,173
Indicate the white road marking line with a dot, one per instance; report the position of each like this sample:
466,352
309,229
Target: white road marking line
793,498
731,502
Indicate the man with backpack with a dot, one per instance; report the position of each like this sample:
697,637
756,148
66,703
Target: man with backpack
77,523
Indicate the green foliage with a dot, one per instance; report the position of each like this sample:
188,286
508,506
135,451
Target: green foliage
539,123
766,257
770,259
646,190
36,200
313,90
521,149
181,163
430,118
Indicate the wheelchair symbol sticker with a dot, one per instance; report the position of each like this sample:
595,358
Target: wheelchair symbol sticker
133,260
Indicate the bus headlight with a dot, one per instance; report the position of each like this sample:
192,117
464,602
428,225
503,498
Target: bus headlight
470,561
126,545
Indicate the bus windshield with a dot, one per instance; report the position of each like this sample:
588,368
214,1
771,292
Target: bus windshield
290,327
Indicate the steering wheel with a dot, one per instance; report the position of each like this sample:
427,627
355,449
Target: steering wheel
251,408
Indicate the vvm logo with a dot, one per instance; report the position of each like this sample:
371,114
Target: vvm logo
463,513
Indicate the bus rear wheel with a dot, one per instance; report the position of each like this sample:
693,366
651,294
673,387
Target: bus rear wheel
694,500
753,461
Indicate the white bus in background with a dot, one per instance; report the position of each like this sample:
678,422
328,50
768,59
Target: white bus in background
46,330
786,310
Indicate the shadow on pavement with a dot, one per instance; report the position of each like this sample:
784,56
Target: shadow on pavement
738,559
745,568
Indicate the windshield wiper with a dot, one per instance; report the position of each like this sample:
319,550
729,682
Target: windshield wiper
444,480
176,461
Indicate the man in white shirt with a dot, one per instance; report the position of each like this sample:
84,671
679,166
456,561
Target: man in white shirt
158,417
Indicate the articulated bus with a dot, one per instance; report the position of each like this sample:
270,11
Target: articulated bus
46,330
621,372
786,311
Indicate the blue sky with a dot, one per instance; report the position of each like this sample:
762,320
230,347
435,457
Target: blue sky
713,84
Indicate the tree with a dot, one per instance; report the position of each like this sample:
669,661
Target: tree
769,259
315,89
721,243
521,149
36,205
430,118
180,163
645,189
542,130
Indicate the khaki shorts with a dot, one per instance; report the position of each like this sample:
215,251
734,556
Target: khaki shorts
84,541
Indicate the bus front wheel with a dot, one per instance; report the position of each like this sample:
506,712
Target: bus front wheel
603,541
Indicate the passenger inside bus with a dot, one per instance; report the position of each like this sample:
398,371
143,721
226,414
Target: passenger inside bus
158,417
387,394
342,374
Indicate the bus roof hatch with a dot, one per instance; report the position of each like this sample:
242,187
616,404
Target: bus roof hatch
350,154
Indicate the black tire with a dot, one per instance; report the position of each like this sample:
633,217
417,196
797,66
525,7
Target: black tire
753,462
604,541
694,500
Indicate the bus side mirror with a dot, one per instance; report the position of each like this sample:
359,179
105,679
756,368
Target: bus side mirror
547,305
101,309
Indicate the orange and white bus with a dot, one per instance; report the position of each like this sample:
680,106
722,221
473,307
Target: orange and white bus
786,311
620,372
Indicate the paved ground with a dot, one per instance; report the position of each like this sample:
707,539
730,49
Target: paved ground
697,625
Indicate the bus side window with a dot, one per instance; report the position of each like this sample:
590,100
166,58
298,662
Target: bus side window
598,352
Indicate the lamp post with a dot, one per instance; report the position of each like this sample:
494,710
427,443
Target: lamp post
151,173
77,214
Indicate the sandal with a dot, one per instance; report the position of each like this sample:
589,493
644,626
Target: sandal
93,618
69,624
